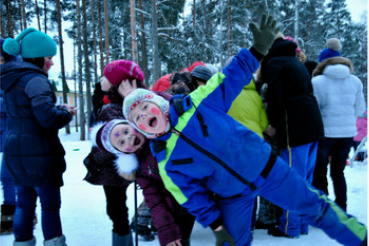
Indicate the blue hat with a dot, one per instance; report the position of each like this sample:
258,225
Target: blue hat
30,43
332,50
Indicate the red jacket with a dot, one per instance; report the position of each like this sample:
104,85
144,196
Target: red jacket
162,83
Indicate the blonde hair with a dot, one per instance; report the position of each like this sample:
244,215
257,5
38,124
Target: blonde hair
301,56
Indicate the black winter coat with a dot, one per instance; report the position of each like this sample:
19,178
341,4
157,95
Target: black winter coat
32,151
291,106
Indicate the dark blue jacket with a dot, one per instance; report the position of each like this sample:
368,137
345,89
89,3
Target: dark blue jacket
3,123
32,151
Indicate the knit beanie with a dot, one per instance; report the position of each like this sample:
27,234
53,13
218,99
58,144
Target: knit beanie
202,72
7,57
132,100
213,69
100,137
31,43
332,50
119,70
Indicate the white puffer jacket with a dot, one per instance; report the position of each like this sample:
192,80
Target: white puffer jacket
340,97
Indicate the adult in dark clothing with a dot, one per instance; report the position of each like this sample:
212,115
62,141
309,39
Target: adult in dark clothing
9,194
294,116
33,153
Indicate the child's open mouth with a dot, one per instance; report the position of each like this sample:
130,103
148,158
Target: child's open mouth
137,141
153,122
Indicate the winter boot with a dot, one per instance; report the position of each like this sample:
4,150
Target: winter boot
7,215
31,242
266,217
143,232
125,240
56,241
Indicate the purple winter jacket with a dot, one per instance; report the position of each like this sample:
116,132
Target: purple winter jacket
161,203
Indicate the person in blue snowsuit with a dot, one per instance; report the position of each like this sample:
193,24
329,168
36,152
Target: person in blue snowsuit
207,159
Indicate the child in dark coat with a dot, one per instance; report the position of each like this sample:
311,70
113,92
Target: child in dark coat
173,222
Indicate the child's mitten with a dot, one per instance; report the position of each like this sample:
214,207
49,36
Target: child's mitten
223,236
264,37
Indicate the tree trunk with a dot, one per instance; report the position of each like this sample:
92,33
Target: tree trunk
21,15
106,15
38,16
24,17
194,14
133,31
75,82
65,91
45,16
2,29
87,61
296,20
8,7
155,42
144,66
228,28
80,84
101,39
94,38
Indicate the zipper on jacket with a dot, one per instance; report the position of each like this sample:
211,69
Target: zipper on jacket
215,158
288,141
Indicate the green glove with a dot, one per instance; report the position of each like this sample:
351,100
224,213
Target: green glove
223,236
264,37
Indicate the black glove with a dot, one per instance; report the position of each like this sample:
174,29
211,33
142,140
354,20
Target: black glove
223,236
264,37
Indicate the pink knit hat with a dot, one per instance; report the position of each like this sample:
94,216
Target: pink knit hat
298,49
118,70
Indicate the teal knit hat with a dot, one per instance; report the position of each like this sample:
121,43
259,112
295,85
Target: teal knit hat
30,43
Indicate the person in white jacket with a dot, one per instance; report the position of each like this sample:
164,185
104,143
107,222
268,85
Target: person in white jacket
340,97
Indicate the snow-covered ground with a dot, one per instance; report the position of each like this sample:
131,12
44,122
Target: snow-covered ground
85,222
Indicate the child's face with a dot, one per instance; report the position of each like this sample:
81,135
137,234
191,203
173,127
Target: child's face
48,62
105,84
148,117
126,139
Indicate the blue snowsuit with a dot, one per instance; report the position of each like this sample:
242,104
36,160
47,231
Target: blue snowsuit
208,153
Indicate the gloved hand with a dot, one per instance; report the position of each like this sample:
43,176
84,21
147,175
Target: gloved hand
264,37
223,236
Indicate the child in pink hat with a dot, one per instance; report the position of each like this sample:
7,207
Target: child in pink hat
117,71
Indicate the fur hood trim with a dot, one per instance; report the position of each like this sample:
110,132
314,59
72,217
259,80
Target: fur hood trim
126,163
332,61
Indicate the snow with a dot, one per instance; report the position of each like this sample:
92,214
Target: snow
85,222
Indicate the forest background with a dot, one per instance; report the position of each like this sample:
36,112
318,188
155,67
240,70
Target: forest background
165,36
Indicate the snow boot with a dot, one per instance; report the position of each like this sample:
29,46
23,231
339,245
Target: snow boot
143,232
7,215
267,216
56,241
125,240
31,242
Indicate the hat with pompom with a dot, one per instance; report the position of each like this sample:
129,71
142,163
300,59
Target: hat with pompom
30,43
332,50
7,57
119,70
100,137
